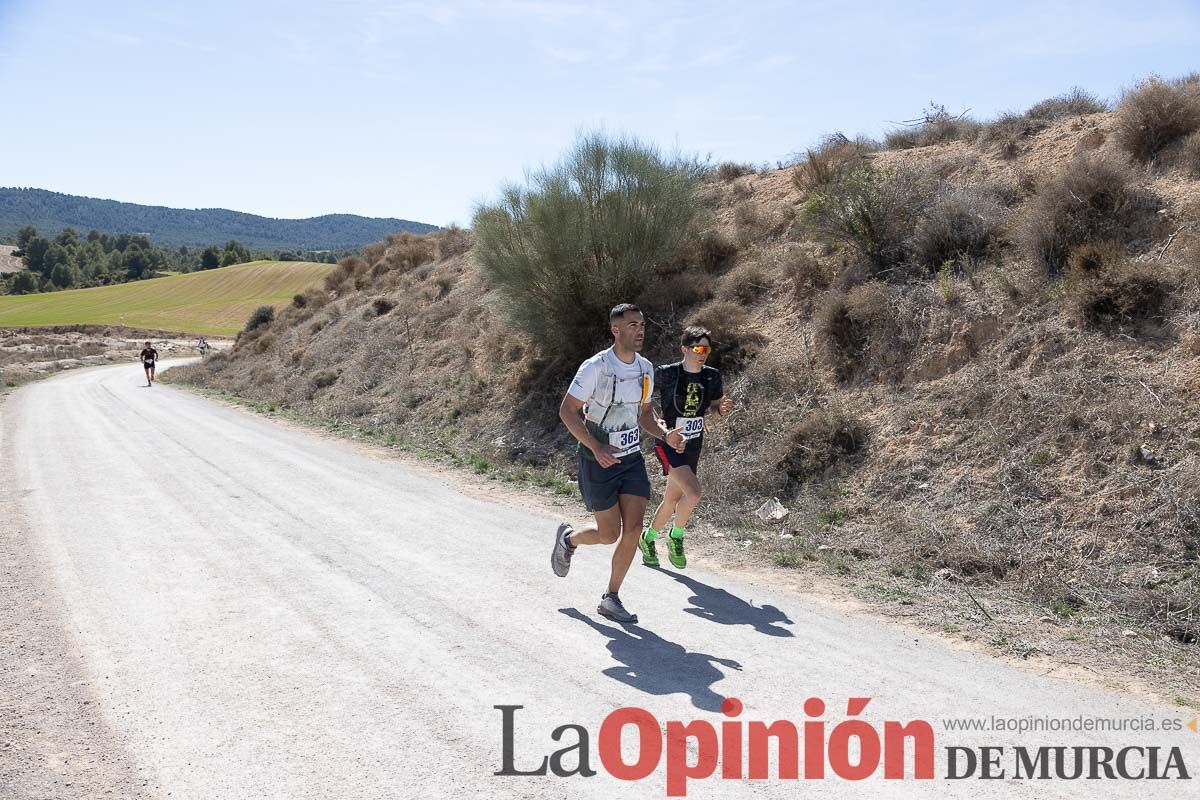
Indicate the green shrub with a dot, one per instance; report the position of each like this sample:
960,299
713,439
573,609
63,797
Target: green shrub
960,223
24,282
263,315
1094,198
1156,113
583,236
870,211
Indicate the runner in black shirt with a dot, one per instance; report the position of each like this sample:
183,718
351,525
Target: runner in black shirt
149,358
688,390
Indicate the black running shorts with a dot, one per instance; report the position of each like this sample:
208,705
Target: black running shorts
600,486
669,457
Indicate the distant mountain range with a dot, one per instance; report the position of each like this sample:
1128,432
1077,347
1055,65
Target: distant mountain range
50,212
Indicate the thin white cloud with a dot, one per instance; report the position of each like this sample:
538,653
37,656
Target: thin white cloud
119,38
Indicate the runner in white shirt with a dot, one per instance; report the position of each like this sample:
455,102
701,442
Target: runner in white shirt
606,408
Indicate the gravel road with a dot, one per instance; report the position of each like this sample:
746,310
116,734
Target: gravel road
198,602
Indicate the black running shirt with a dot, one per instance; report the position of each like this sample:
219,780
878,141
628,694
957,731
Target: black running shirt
687,394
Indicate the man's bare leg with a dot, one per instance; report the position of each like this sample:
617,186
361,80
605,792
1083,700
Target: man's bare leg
633,513
606,530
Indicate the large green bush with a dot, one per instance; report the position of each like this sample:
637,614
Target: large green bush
584,235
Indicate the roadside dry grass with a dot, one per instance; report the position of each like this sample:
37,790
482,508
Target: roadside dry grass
986,447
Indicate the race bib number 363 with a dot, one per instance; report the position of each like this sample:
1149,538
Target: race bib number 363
625,442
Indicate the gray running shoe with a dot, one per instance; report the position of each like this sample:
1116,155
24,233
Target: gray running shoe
560,556
610,606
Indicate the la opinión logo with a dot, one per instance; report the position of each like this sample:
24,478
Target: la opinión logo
743,748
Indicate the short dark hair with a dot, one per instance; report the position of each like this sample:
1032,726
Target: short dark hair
620,311
693,334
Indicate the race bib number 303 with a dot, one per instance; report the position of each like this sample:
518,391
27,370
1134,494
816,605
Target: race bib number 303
692,427
625,442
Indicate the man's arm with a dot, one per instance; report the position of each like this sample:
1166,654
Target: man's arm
570,411
654,426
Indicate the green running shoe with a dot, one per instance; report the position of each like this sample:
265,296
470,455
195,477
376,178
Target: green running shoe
675,548
646,545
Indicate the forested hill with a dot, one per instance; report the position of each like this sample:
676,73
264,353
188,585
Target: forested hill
192,227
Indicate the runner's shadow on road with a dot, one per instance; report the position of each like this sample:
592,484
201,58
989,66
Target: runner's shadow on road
720,606
651,664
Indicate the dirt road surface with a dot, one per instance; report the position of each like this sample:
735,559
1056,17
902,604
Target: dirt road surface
201,603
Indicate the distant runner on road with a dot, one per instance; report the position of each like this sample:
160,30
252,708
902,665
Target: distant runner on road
688,390
606,408
149,359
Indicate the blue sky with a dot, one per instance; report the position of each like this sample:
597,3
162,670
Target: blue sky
422,109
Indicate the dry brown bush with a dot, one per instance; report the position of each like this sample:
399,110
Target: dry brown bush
1075,103
1155,113
381,306
345,272
745,283
808,275
1122,298
1094,257
325,378
1092,140
707,249
265,343
959,224
857,335
836,155
735,342
729,171
1094,198
755,222
676,292
742,189
1189,155
936,126
407,251
452,241
825,439
373,253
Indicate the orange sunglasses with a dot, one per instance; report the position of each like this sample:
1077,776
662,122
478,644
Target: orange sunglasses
701,349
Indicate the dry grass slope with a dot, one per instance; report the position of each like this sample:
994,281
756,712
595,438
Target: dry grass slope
959,411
